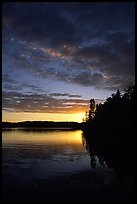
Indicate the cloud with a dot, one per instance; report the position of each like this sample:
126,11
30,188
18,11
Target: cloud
87,79
89,44
42,103
65,94
40,23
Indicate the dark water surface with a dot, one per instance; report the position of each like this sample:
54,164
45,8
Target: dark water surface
40,154
29,157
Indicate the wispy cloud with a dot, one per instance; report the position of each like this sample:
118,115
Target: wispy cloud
13,101
65,94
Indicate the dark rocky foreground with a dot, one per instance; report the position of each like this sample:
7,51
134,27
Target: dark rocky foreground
82,187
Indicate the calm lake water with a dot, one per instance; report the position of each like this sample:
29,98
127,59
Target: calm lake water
32,155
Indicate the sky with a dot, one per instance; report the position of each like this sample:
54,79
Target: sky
57,56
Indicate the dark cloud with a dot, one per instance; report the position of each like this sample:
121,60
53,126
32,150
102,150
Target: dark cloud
43,103
14,101
87,79
60,23
89,44
89,52
65,94
40,23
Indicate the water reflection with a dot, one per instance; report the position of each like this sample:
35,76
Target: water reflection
31,155
95,160
41,137
30,159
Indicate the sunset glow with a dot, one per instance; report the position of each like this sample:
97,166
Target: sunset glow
17,117
44,137
68,97
57,56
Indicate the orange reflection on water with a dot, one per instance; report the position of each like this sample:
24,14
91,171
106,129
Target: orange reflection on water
44,137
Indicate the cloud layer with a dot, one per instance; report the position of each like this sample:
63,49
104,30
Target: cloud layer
17,102
88,44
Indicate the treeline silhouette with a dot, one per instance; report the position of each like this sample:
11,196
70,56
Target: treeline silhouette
41,124
110,131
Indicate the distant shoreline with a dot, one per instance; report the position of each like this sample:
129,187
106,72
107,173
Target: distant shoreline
42,125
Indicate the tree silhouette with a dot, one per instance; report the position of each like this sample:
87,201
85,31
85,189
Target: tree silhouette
92,109
112,132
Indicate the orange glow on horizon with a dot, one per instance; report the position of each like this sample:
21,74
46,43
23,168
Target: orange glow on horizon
23,116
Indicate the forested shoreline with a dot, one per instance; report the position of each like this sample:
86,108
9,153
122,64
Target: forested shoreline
110,131
41,124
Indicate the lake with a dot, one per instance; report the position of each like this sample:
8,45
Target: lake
35,155
32,156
